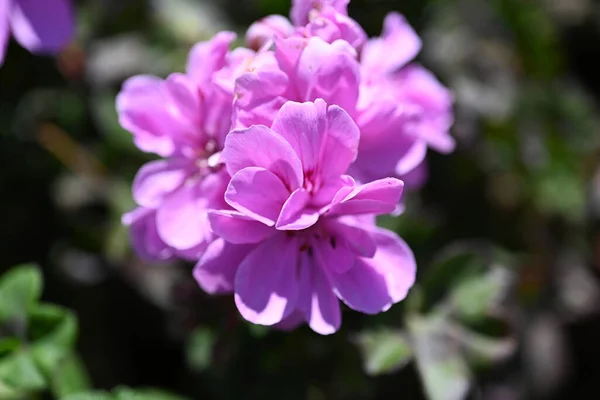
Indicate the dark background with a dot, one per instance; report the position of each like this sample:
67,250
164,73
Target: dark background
525,177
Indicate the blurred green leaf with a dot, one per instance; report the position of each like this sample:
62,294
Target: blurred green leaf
19,371
477,295
560,191
144,394
484,350
53,325
444,372
199,349
384,351
70,377
20,288
97,395
8,344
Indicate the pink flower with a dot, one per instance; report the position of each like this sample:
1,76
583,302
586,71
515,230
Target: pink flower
185,118
327,19
299,69
301,234
41,26
402,109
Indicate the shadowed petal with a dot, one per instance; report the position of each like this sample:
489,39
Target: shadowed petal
207,57
373,284
294,213
377,197
316,298
144,237
237,228
328,72
4,27
398,45
181,220
257,193
42,26
259,146
215,272
158,178
266,287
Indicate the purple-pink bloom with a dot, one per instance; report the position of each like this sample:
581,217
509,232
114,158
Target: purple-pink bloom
41,26
185,118
299,69
327,19
402,108
301,235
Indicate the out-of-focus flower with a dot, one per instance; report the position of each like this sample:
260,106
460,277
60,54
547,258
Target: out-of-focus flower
41,26
327,19
301,234
402,109
184,118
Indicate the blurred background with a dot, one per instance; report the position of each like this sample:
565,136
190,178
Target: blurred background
506,231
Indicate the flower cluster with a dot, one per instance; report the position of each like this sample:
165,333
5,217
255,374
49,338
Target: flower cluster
41,26
276,158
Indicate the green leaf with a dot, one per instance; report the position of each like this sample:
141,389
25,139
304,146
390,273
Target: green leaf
480,349
97,395
20,288
384,351
144,394
477,295
443,370
19,371
53,325
70,377
53,332
199,349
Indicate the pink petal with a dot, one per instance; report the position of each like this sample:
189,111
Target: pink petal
145,240
353,236
4,27
207,57
350,30
156,179
377,197
259,146
266,287
328,72
261,81
398,45
299,14
432,103
181,220
362,288
341,144
373,284
236,63
42,26
316,299
333,255
304,127
157,114
216,270
393,260
294,213
237,228
257,193
266,29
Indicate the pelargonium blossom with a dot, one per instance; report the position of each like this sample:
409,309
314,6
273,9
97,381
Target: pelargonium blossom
298,69
41,26
301,235
184,118
402,109
327,19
